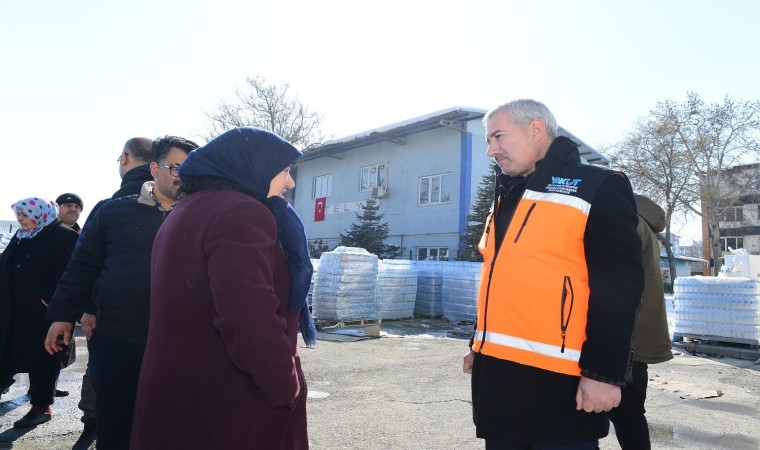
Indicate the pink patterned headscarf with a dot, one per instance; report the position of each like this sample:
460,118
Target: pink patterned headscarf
41,211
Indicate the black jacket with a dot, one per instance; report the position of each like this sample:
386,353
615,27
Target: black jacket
29,271
515,403
130,185
133,181
111,266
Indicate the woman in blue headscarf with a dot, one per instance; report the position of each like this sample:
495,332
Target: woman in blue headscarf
30,267
221,366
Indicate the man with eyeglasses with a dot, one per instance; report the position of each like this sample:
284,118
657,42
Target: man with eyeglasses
111,266
134,166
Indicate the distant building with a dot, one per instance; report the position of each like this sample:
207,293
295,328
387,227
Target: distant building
7,230
8,227
739,224
424,173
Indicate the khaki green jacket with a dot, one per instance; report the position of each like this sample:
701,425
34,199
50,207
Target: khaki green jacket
651,338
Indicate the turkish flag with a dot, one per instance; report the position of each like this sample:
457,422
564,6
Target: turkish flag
319,209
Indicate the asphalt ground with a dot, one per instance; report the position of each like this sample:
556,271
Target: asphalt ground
406,390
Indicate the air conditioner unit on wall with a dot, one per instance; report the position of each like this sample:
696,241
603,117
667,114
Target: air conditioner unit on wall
379,192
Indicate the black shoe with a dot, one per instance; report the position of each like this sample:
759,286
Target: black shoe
86,440
6,386
31,419
60,393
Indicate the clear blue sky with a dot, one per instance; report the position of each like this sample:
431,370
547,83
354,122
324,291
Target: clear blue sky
80,77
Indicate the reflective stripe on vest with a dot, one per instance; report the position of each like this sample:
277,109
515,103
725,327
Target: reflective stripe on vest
531,346
567,200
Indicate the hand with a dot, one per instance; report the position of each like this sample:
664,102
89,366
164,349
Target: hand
467,362
298,393
52,344
595,396
88,324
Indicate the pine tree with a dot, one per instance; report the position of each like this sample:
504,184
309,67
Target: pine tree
316,248
476,220
368,233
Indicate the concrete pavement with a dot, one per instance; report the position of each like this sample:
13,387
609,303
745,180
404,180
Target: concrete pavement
406,390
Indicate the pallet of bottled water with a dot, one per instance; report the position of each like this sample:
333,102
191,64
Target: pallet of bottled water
461,280
726,308
344,285
396,290
429,301
315,268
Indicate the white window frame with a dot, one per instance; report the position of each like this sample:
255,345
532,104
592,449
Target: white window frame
738,242
373,180
321,186
437,253
430,182
733,214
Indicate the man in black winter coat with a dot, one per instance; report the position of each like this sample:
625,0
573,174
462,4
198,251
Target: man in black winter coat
559,289
134,170
111,266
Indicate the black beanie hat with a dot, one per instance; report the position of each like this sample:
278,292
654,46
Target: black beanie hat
69,198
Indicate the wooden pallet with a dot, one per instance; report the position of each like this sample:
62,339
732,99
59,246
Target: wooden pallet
363,327
752,344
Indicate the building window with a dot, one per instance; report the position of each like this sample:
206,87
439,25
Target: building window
435,189
437,253
733,242
733,214
322,186
372,176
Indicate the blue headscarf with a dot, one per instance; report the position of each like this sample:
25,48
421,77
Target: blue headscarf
252,157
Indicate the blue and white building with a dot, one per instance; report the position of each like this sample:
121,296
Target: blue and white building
424,173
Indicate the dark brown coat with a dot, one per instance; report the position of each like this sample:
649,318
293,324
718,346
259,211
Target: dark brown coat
221,363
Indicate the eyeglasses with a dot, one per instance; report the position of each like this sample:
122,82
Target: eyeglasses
173,169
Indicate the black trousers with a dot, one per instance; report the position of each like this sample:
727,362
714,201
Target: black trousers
490,445
87,399
115,372
42,387
631,428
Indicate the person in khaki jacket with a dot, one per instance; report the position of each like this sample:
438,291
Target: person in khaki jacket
651,338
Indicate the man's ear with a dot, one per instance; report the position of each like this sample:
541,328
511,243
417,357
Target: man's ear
537,130
154,169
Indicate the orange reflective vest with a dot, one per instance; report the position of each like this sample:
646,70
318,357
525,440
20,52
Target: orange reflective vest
533,297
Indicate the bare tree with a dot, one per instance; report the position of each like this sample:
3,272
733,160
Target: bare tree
717,138
693,249
652,158
691,152
269,106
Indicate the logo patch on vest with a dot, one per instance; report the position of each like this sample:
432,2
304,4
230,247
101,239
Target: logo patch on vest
563,185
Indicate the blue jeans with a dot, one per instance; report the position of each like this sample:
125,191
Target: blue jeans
115,372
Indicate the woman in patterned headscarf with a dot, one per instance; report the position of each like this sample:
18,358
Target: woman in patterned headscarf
30,267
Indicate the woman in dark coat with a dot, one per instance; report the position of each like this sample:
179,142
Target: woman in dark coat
30,268
221,367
